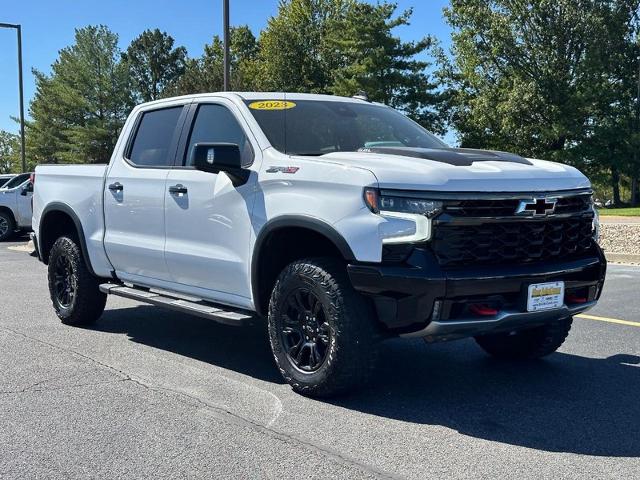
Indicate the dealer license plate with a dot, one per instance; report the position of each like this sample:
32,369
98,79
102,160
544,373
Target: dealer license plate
545,296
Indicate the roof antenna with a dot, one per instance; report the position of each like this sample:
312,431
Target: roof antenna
362,95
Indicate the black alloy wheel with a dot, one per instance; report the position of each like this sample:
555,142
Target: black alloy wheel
323,333
305,331
64,282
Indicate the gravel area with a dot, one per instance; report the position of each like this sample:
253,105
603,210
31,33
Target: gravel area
620,238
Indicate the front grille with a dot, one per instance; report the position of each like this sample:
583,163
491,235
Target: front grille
481,208
512,242
507,207
573,204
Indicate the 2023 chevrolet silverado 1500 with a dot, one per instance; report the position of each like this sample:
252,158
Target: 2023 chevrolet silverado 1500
339,221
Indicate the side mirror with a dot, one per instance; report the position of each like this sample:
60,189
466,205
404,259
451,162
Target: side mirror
220,157
28,188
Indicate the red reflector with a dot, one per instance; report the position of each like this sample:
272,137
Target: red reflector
574,299
483,310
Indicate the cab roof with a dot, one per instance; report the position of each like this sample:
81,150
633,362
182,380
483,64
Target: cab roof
249,96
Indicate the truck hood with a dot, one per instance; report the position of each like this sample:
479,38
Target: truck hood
461,170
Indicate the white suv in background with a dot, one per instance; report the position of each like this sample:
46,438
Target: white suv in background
15,205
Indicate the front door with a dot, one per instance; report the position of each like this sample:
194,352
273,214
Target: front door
134,198
208,220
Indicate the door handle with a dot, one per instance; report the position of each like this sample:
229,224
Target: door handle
116,187
178,189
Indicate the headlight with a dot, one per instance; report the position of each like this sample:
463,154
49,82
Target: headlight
596,225
409,218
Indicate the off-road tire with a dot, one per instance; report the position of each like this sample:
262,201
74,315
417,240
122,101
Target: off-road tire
7,219
88,301
353,345
527,344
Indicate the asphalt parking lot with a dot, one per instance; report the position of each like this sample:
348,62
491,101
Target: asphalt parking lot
147,393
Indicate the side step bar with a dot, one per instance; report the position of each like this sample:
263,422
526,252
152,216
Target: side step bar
200,308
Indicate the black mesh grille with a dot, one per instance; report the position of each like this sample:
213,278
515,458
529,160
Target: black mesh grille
508,207
577,203
481,208
512,242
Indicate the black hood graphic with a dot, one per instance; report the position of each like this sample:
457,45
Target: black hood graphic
460,157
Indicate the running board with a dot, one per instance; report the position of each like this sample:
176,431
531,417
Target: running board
180,303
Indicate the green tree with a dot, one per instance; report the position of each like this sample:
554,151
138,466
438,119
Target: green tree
153,63
343,47
205,74
374,60
9,152
610,134
539,77
296,54
79,108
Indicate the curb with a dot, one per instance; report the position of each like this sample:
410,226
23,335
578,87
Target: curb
27,248
622,258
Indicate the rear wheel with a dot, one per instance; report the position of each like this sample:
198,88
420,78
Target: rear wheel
7,226
527,344
74,291
322,332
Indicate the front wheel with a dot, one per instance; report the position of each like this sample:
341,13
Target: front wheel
7,226
527,344
322,332
74,291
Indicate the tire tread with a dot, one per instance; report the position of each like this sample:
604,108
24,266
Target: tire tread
356,348
89,301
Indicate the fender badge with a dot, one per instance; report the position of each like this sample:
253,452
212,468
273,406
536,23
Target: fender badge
283,169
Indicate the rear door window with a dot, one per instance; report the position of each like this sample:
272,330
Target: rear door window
154,138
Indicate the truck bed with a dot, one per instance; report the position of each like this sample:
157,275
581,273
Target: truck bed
79,187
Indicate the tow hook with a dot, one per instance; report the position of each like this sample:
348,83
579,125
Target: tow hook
575,299
483,310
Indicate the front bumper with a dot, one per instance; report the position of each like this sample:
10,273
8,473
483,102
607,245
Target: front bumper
419,298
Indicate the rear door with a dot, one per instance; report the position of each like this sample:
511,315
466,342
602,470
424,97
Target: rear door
134,196
209,224
24,207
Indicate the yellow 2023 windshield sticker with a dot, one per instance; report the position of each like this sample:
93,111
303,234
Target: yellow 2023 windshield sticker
271,105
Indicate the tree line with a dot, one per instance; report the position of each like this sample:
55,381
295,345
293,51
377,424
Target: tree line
553,79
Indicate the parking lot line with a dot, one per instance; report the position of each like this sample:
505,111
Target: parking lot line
610,320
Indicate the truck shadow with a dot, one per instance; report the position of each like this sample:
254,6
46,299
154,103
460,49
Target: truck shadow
565,403
244,350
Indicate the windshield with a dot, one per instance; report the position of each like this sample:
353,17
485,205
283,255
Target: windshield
17,180
316,127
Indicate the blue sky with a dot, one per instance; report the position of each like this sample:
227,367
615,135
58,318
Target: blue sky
48,26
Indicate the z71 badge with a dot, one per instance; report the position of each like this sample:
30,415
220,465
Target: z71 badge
283,169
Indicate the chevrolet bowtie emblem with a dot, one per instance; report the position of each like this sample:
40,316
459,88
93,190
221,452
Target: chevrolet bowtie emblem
537,207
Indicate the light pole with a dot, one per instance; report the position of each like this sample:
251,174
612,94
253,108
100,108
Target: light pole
225,15
21,89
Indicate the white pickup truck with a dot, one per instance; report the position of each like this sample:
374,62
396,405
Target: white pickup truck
339,221
15,205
